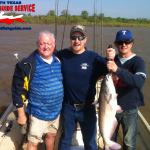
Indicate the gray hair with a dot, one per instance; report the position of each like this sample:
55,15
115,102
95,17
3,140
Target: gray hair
46,33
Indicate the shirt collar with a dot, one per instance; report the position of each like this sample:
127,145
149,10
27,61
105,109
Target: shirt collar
123,60
42,61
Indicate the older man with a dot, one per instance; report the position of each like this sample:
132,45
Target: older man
130,71
81,69
38,78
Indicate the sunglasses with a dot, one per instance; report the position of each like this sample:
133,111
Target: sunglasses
126,42
80,38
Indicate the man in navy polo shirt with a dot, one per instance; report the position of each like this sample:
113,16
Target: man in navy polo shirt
130,76
81,69
38,78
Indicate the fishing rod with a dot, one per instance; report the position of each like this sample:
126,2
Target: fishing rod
101,53
96,29
55,23
1,122
14,66
101,28
16,55
110,46
94,45
8,129
56,17
10,58
64,25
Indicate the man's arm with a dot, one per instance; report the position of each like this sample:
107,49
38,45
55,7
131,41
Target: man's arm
136,80
19,91
21,116
56,53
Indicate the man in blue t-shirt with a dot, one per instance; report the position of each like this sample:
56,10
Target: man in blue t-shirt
81,69
130,76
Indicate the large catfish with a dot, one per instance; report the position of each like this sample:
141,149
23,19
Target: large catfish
107,111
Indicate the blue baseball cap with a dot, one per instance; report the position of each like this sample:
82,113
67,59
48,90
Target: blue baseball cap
123,34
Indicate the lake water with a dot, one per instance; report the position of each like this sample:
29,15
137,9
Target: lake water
23,42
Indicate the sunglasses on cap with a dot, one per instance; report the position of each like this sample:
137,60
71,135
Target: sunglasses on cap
80,38
126,42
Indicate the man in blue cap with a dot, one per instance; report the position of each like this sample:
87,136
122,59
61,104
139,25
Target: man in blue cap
130,76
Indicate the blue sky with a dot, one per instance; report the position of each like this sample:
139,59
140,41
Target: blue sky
111,8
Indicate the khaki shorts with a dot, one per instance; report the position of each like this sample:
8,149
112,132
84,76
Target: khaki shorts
40,127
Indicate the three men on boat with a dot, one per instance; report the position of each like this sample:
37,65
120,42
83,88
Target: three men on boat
41,71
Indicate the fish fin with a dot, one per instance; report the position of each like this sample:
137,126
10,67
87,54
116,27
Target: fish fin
95,102
112,146
108,97
115,97
119,109
113,127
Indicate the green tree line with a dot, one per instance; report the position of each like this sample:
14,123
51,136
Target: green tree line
84,19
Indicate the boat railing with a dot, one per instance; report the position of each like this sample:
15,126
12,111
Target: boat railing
4,117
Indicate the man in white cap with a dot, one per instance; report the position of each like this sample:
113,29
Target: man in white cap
130,76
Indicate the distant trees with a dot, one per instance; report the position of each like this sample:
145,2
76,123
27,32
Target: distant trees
51,13
84,14
84,19
65,12
101,16
95,14
29,14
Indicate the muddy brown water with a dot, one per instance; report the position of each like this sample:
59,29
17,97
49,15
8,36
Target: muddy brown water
23,42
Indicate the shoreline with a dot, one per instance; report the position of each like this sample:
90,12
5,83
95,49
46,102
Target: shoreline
104,25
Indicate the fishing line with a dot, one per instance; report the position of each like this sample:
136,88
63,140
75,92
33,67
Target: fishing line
64,25
4,85
2,77
10,57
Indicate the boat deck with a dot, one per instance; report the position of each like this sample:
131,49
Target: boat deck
14,140
76,141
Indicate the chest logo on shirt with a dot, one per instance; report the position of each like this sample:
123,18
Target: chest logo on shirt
84,65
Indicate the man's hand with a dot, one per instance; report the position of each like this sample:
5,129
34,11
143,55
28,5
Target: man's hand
114,77
110,53
22,119
101,77
112,66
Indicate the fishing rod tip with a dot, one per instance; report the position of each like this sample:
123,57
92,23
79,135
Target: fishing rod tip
16,55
